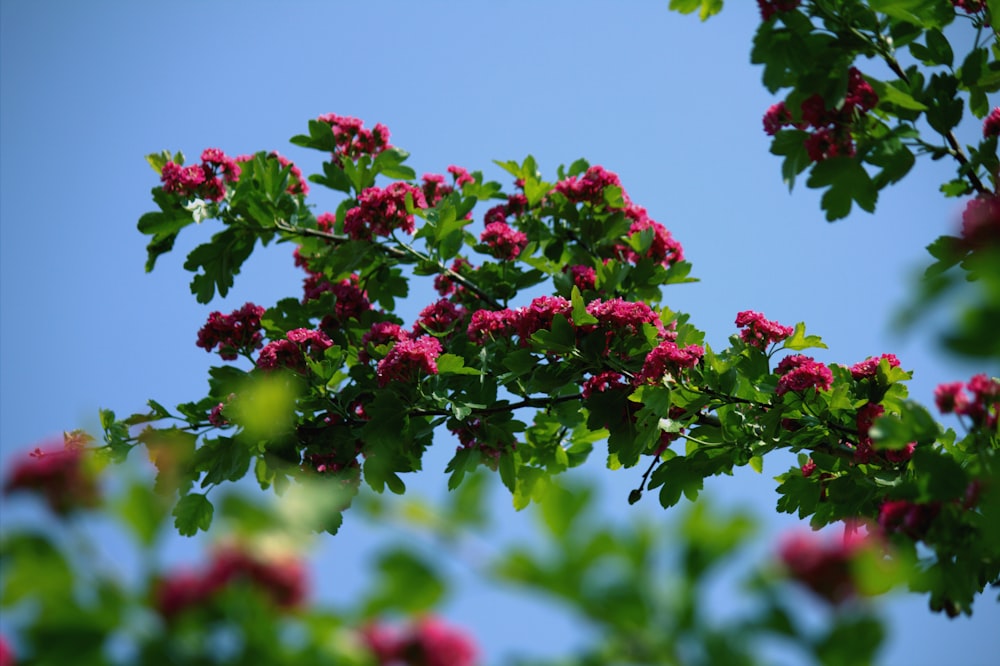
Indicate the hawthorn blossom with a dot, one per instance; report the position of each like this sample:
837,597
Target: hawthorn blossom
668,360
867,368
663,250
409,359
588,188
991,126
822,565
237,332
969,6
609,380
426,642
491,324
760,332
380,211
951,397
504,242
584,277
202,180
769,8
444,283
381,333
353,139
981,221
909,518
800,373
434,188
982,407
830,134
282,581
438,317
57,474
291,352
460,175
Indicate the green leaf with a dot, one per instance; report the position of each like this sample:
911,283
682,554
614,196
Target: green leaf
452,364
390,164
406,584
706,8
890,94
925,13
791,144
219,261
580,315
896,431
192,513
847,181
143,511
799,340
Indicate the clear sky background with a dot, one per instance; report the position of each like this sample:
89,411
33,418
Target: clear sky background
670,104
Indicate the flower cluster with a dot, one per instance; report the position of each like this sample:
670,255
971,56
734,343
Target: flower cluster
380,211
353,140
609,380
588,188
760,332
865,452
824,566
991,126
409,358
584,277
969,6
381,333
282,581
504,243
800,373
445,284
291,352
235,333
831,128
769,8
438,317
663,249
981,221
59,475
668,360
867,368
909,518
427,642
982,408
201,180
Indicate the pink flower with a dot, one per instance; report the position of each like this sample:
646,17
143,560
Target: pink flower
59,475
608,380
951,397
824,566
460,175
759,332
426,642
504,242
282,581
235,333
201,181
769,8
291,352
588,188
991,126
668,360
800,373
408,359
981,221
867,368
353,140
489,324
444,284
434,188
969,6
909,518
6,653
438,317
381,333
663,250
584,277
776,117
380,211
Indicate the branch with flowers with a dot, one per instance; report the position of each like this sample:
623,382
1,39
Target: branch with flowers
555,309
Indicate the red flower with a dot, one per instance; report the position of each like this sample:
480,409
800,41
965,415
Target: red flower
504,242
800,373
409,359
760,332
824,566
57,474
380,211
239,331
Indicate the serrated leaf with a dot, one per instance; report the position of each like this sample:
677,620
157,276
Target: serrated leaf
192,513
799,340
452,364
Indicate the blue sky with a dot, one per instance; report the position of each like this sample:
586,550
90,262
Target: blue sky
670,104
